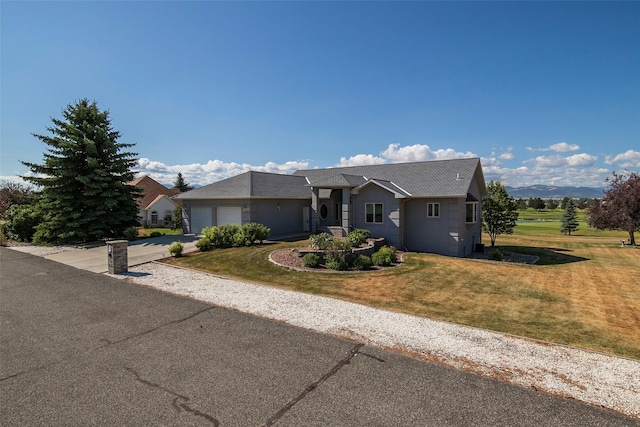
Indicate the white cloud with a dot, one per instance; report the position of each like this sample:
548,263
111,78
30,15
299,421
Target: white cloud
549,161
212,171
628,159
421,152
507,156
360,160
581,160
560,147
563,147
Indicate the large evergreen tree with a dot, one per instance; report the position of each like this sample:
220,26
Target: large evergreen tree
499,211
569,221
84,178
620,207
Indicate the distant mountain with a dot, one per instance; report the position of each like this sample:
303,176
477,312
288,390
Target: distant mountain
554,192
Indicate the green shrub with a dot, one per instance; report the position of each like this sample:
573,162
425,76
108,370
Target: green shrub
21,222
384,257
362,262
321,240
175,249
358,237
204,244
337,264
254,232
155,234
130,233
496,255
311,260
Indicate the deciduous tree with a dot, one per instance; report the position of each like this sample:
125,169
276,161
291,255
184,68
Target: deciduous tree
499,211
84,178
620,206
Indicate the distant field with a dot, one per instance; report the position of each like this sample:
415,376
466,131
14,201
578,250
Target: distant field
583,292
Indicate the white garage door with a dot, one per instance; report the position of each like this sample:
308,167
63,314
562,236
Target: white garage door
229,215
201,217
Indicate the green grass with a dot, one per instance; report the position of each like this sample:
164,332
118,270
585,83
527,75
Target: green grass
145,232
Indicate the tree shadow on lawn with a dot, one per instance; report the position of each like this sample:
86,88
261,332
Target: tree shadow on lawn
547,256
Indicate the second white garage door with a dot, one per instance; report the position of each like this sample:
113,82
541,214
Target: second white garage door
229,215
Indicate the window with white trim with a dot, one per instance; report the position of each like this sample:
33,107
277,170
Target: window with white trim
373,213
154,217
471,215
433,210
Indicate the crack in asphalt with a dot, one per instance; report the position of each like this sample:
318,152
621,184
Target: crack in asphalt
173,322
105,344
275,417
179,401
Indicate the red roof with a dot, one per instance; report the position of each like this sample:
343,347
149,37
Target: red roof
151,189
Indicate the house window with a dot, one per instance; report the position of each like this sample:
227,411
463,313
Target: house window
433,210
324,211
168,216
373,213
471,212
154,217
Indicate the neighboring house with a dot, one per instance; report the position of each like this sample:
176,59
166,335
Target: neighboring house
156,204
432,206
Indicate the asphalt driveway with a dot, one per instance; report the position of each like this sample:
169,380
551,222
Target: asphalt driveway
139,252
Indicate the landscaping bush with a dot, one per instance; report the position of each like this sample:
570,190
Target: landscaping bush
337,264
231,235
204,244
358,237
21,222
130,233
496,255
336,254
362,262
321,240
254,232
311,260
384,257
155,234
175,249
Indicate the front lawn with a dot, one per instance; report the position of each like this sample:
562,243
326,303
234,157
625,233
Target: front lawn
584,294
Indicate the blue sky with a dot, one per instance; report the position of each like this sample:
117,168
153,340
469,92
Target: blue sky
542,92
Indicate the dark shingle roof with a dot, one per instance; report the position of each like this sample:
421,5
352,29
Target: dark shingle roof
253,184
436,178
439,178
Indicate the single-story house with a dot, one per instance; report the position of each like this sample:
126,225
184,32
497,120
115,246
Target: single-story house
431,206
156,204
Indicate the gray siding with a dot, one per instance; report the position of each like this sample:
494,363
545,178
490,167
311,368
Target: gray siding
283,217
437,235
390,227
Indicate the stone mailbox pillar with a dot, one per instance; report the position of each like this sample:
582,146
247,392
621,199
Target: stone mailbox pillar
117,259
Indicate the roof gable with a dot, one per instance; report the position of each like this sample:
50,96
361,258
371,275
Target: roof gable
151,189
436,178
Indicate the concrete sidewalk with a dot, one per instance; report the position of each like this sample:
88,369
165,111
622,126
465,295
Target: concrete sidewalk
139,252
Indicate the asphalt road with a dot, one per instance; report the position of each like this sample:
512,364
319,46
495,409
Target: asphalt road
79,348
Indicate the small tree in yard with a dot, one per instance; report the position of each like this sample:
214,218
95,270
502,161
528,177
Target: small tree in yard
84,179
620,207
569,220
499,212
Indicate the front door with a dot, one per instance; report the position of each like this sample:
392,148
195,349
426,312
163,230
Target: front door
305,219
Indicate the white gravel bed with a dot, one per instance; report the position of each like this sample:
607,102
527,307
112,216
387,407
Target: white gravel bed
599,379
